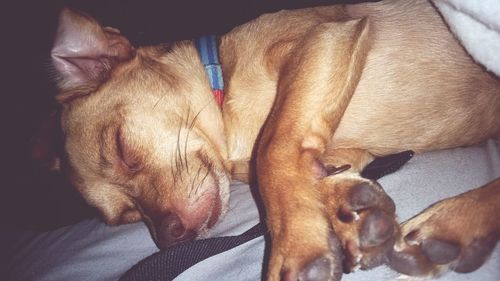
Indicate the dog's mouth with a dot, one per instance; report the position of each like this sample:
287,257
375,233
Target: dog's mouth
171,229
220,197
192,216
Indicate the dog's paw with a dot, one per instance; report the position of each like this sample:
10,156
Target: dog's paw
292,260
363,216
456,234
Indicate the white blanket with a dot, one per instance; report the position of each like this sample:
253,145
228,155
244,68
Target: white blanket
477,25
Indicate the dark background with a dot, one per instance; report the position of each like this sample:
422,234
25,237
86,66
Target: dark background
30,195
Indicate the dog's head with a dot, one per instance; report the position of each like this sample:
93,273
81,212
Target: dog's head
143,136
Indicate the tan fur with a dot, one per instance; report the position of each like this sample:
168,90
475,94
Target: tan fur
469,220
330,85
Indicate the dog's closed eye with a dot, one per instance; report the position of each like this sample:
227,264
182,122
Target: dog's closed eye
127,154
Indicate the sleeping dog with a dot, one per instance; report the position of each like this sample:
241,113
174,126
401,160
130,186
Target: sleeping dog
311,97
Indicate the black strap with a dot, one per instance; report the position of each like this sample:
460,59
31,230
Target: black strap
168,264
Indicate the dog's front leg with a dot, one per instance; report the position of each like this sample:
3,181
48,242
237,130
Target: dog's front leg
314,89
457,233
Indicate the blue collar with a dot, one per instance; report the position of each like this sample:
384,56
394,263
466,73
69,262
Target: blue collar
207,49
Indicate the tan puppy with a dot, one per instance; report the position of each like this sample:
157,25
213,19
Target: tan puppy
307,91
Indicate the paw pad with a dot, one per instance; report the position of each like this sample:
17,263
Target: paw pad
440,252
428,257
377,228
475,255
319,269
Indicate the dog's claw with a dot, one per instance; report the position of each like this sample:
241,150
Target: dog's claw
332,170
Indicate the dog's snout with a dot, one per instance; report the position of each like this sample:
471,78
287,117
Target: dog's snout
172,231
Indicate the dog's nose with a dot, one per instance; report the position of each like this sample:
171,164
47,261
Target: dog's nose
172,231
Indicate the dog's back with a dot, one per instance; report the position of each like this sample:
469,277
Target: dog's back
416,73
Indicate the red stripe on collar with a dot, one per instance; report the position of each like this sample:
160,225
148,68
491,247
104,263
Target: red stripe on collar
219,97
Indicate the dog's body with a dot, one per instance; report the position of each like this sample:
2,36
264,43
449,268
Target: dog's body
252,81
145,139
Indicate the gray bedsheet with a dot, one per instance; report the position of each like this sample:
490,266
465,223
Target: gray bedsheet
91,250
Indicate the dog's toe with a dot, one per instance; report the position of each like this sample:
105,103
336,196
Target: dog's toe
327,267
377,228
370,194
409,261
305,249
321,268
421,258
440,252
475,254
364,218
454,234
431,257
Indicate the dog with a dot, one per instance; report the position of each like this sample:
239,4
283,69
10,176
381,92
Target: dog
311,97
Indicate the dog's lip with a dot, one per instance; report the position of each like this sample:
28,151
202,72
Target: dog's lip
217,208
215,212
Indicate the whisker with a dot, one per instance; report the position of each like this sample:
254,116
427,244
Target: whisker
187,117
204,178
194,179
174,176
190,127
178,157
185,143
158,101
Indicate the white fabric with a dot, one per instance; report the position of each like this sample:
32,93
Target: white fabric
477,24
91,250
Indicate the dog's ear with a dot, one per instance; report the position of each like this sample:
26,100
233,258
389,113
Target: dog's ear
84,53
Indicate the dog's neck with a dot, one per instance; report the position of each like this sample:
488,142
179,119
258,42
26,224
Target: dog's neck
251,72
208,52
